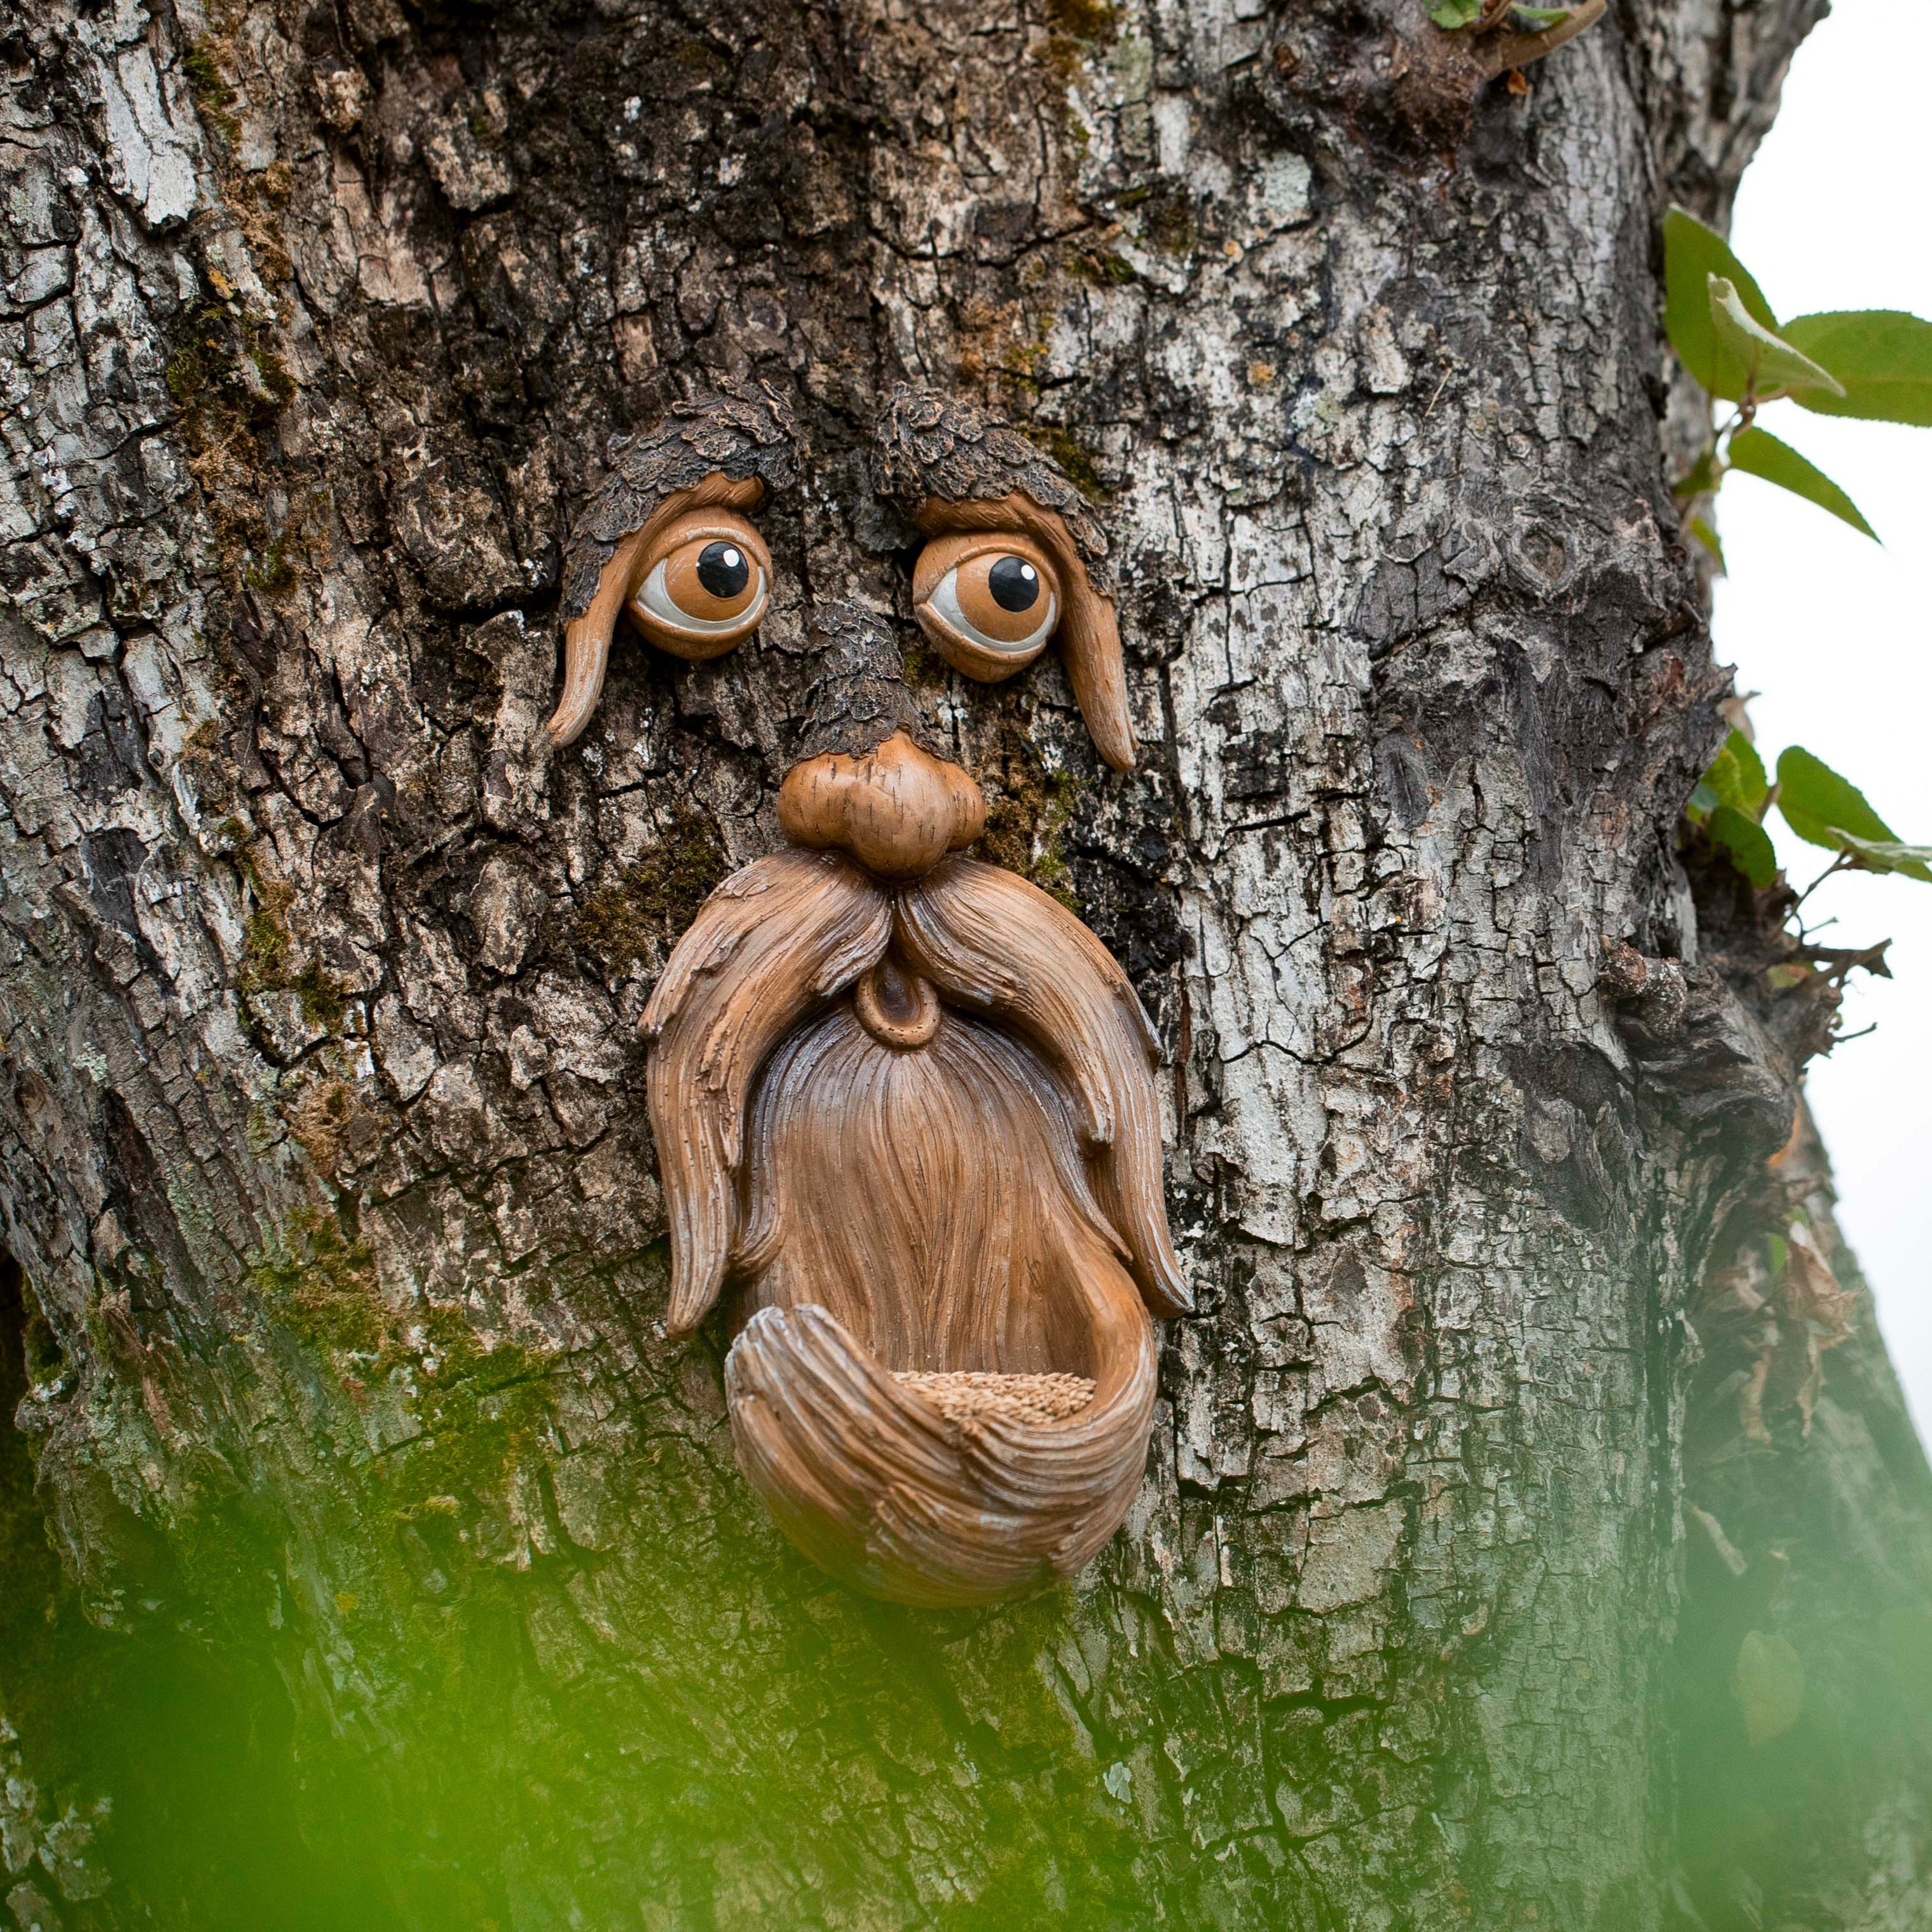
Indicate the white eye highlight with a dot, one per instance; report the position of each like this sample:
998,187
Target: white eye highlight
946,601
655,596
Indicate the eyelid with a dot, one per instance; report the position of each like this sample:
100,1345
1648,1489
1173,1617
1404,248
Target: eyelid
1088,636
945,599
587,636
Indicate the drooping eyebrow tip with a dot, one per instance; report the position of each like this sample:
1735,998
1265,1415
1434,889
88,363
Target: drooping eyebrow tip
930,445
741,431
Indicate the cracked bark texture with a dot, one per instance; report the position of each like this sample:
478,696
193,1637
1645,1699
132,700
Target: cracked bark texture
322,1127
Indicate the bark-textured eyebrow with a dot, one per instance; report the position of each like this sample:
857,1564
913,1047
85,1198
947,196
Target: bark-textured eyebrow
947,465
930,445
727,448
741,431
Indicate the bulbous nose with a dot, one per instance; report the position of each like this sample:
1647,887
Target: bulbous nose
896,808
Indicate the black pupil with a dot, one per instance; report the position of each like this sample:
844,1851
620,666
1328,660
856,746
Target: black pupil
724,570
1014,583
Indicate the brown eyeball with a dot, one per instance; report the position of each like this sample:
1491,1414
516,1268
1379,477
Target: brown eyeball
702,585
989,599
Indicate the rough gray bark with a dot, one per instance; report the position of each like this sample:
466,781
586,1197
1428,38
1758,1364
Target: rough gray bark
324,1145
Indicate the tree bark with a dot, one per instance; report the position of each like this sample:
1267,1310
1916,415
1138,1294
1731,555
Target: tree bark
326,1160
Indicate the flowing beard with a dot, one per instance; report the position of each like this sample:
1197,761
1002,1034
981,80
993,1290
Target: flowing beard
932,1201
906,1191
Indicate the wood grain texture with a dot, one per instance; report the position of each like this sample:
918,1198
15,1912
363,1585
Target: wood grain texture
995,943
874,1484
931,1199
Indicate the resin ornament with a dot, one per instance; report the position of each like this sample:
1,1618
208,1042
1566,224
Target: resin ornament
983,496
903,1101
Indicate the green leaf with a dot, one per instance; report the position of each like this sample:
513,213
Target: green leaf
1890,855
1703,801
1824,809
1758,453
1454,14
1701,529
1746,842
1543,16
1737,777
1883,356
1770,363
1701,478
1768,1683
1692,254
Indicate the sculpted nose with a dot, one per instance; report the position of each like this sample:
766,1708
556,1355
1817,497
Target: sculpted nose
896,808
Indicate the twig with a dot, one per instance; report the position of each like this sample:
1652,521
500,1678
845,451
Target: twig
1505,51
1837,865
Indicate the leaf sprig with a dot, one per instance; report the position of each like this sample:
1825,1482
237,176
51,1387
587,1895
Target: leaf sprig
1482,15
1872,363
1824,809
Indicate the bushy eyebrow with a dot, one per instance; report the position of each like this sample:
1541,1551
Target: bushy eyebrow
741,431
946,465
724,449
930,445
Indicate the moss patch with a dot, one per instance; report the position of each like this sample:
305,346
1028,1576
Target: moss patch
482,1412
478,1410
1095,21
226,378
1102,267
925,668
321,1288
622,924
269,962
327,1122
213,96
1026,829
265,944
1061,445
229,384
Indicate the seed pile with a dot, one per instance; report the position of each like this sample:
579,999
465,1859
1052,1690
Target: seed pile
963,1395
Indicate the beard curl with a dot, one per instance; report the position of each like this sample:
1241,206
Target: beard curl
918,1126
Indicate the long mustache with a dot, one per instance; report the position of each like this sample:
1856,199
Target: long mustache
774,941
785,935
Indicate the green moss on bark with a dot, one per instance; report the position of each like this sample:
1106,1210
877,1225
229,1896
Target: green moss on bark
622,924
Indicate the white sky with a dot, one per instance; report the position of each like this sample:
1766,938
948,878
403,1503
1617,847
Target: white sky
1835,632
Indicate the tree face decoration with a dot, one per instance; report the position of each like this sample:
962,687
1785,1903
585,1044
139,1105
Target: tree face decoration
903,1100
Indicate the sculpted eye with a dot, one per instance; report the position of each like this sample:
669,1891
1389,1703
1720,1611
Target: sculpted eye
703,585
989,601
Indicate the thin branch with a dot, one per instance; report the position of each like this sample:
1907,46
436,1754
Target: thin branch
1837,865
1508,50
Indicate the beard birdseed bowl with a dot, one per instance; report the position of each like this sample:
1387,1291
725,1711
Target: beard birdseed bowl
963,1395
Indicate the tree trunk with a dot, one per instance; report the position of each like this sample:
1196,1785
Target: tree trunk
1500,1559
